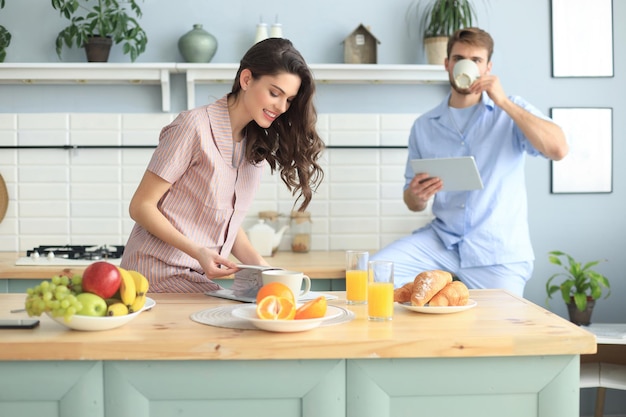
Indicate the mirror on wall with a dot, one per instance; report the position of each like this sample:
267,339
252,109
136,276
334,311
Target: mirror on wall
582,38
588,167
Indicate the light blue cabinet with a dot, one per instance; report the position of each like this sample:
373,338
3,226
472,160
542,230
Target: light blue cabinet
226,388
468,387
51,389
543,386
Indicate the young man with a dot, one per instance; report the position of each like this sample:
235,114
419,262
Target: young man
480,236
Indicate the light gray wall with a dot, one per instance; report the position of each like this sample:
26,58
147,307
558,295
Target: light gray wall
588,226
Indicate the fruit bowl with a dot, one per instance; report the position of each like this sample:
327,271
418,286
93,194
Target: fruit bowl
89,323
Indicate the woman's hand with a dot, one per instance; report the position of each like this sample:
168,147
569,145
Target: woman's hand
214,265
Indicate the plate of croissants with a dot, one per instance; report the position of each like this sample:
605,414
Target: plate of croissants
434,292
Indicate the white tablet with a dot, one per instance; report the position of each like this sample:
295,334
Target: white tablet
457,174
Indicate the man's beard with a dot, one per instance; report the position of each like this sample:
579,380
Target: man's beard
463,91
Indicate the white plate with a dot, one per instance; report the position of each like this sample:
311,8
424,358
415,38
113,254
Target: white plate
248,313
439,310
88,323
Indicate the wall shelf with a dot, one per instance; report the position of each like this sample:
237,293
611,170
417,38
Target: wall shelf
159,73
90,73
323,73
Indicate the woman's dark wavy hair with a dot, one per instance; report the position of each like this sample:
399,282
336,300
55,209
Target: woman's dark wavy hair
291,143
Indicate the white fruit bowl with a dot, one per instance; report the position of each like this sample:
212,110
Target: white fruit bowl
88,323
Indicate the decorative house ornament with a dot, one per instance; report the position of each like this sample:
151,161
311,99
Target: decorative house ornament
360,47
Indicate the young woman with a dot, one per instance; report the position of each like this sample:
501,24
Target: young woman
203,176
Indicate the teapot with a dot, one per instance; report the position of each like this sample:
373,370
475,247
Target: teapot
264,238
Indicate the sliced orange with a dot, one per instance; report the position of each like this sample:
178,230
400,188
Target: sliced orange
276,308
313,309
277,289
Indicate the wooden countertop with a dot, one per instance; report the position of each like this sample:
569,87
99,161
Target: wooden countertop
500,325
316,264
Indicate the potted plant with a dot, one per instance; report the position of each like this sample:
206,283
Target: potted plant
580,286
439,19
5,38
101,22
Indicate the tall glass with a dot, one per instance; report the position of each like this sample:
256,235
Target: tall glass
380,290
356,276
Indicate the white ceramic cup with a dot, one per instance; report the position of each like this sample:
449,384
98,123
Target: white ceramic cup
292,279
465,72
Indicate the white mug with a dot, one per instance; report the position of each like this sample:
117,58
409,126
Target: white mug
291,279
465,72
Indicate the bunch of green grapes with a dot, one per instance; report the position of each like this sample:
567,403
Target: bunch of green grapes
57,297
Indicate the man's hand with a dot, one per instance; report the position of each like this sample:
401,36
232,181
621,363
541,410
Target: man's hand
491,85
420,190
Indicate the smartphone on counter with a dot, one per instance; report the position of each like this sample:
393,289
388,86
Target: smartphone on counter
18,323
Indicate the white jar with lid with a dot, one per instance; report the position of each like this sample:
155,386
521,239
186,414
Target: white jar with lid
276,31
261,32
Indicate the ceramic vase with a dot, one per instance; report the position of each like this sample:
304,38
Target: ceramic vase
197,45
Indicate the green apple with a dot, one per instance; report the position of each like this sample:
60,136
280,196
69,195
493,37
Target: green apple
93,305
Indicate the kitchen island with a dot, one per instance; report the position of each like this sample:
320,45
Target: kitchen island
507,356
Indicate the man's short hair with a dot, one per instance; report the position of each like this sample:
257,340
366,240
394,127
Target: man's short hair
472,36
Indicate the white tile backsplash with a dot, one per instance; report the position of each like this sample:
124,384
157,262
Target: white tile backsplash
146,121
81,196
95,121
43,174
98,192
95,175
44,137
43,121
43,192
8,121
58,208
361,122
8,137
95,137
43,226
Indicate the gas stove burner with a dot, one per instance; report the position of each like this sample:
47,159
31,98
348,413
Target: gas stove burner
82,252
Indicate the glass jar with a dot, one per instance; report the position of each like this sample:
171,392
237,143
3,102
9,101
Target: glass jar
270,218
300,231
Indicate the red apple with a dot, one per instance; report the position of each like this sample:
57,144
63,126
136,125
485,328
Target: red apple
102,278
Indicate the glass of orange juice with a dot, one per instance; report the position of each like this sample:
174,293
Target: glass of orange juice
380,290
356,276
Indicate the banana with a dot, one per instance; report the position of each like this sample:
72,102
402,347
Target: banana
113,300
138,304
128,292
117,309
141,282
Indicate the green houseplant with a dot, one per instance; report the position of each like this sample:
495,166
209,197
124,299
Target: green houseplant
438,19
580,285
98,19
5,38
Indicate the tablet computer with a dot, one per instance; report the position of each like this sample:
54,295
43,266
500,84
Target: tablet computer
457,174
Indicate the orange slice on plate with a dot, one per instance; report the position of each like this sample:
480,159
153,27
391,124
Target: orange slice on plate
275,288
275,308
313,309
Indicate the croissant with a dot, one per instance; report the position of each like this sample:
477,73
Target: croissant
453,294
427,284
403,294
